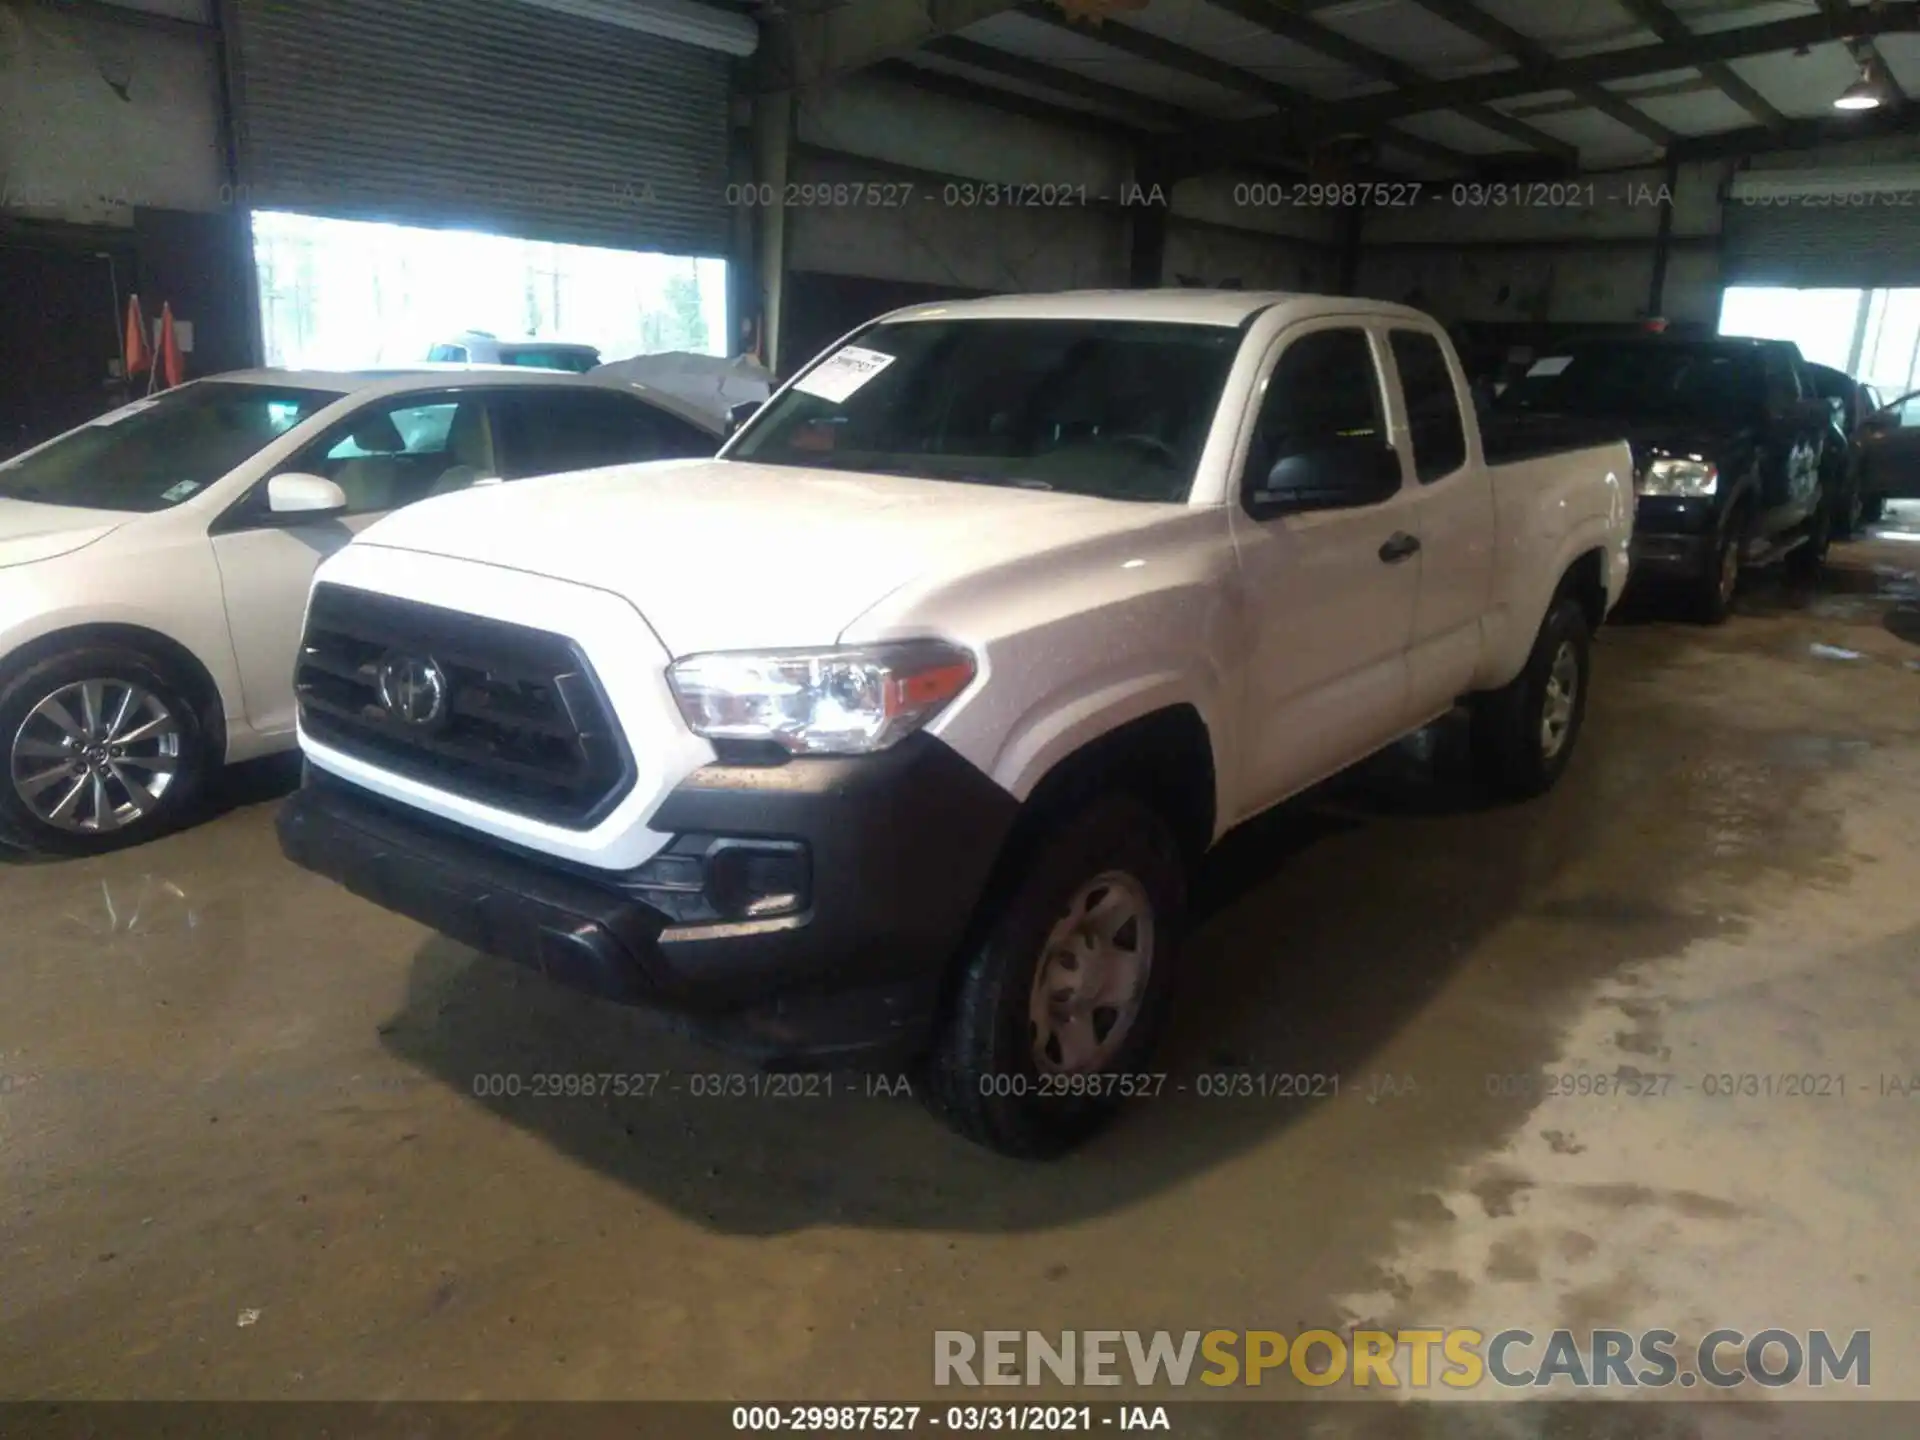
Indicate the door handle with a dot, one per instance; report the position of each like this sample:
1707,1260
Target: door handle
1399,546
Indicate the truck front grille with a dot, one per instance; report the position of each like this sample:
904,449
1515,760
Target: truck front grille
501,713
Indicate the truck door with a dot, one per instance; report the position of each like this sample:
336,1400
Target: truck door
1452,505
1796,430
1329,593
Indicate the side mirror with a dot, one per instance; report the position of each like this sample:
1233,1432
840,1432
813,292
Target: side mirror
1345,474
310,497
738,415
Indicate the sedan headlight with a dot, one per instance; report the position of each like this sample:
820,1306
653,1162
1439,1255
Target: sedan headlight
1679,477
846,701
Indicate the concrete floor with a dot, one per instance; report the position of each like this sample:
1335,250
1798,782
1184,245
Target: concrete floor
241,1152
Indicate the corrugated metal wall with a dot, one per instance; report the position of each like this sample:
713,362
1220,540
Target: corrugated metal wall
482,114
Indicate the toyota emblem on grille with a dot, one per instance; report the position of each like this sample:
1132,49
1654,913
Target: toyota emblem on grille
413,690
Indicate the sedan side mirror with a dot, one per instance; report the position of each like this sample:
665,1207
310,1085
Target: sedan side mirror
1342,474
738,415
310,497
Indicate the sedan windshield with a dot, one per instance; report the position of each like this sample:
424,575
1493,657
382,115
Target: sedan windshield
1114,409
153,454
1641,379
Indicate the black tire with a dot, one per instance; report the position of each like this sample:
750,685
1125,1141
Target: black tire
1873,509
982,1075
1806,560
1849,513
117,666
1713,592
1511,752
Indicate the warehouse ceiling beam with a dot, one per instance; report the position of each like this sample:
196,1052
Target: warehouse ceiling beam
1293,105
1655,15
1314,36
957,87
1465,16
1024,71
808,43
1800,134
1369,112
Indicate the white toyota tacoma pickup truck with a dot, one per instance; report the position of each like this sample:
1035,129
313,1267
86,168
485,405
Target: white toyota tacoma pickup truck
896,731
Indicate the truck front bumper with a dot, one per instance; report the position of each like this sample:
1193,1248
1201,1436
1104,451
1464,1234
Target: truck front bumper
875,865
1675,537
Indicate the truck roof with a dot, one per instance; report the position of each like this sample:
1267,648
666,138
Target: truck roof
1227,308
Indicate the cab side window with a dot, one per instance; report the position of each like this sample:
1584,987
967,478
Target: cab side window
1433,407
1324,390
395,452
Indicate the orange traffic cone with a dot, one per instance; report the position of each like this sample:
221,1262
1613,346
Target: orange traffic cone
172,368
137,356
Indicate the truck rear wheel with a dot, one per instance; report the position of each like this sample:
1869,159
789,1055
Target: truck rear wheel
1524,734
1058,1005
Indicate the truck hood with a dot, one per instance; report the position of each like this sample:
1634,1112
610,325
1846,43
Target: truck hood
723,555
1647,435
31,531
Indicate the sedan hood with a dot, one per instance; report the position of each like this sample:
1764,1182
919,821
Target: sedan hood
31,531
721,555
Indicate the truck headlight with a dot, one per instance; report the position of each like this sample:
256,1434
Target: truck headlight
846,701
1679,477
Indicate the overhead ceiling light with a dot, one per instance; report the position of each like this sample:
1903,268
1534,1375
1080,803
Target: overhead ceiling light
1863,94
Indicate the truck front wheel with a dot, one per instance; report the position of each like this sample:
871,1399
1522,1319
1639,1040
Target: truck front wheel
1056,1008
1524,734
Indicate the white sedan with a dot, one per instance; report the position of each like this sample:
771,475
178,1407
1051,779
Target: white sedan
154,563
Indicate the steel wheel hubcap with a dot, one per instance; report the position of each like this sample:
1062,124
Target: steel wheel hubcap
1092,976
95,756
1563,688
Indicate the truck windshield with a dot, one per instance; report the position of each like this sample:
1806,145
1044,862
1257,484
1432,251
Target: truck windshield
153,454
1114,409
1642,379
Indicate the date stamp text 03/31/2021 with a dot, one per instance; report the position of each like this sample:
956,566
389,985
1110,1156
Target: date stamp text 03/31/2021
1626,1084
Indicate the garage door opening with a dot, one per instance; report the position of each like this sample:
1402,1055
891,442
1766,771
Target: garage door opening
1873,335
349,294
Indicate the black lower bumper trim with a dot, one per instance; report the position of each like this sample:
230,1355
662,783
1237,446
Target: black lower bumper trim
900,847
577,933
1674,555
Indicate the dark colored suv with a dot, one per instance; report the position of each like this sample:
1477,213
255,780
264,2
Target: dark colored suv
1736,459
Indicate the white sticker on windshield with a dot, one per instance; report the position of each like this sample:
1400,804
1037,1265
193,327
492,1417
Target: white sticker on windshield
842,373
1551,365
174,494
125,412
